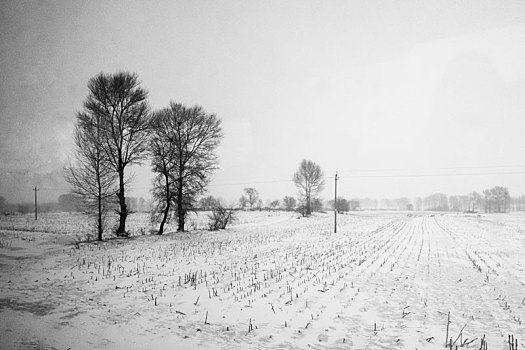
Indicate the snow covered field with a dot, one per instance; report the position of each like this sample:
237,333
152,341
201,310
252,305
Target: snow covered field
386,280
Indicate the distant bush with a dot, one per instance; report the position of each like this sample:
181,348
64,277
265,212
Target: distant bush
220,217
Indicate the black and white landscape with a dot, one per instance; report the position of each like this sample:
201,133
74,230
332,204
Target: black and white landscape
262,175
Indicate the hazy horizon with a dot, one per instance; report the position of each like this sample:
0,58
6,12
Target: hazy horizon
403,99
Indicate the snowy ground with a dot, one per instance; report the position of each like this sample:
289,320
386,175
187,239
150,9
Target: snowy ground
386,280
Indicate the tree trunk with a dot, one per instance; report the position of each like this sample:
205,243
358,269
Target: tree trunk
181,215
167,209
121,231
99,197
100,229
164,219
308,203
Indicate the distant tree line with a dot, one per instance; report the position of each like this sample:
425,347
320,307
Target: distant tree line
68,203
494,200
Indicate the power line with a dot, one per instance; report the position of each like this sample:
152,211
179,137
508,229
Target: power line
438,175
250,183
381,176
247,182
439,168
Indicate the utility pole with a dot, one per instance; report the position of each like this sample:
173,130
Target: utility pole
335,204
36,203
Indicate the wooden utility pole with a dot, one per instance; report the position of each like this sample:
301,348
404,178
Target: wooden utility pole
335,204
36,203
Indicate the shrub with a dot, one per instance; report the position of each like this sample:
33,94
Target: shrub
220,217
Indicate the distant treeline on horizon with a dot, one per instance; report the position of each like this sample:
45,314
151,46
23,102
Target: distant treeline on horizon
496,199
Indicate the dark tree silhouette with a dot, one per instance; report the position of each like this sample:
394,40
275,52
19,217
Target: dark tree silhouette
90,174
183,143
121,104
309,178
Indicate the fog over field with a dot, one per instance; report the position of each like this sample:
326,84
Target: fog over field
262,174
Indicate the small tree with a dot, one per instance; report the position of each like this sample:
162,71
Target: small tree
289,203
309,178
121,104
475,202
343,205
353,204
90,175
275,204
243,202
497,199
183,151
253,196
316,205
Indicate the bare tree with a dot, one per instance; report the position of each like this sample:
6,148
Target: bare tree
208,203
309,178
275,204
243,201
163,166
183,144
121,104
252,195
289,203
475,202
497,199
90,175
436,202
343,205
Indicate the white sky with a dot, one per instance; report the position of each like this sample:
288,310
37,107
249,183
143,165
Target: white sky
353,86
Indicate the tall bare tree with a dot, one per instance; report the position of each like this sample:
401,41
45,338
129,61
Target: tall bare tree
121,104
183,142
90,174
309,179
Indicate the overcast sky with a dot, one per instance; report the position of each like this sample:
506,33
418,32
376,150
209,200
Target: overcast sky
374,89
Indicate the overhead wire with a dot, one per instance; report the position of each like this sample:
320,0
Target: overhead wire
356,174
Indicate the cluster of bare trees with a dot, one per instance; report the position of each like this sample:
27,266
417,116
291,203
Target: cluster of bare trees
309,179
250,198
182,148
116,128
